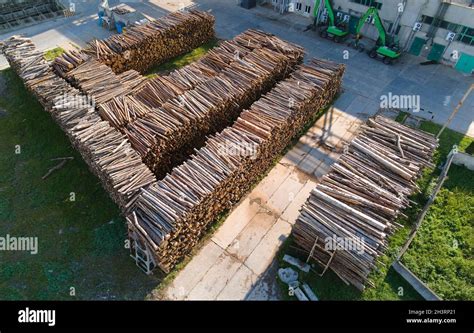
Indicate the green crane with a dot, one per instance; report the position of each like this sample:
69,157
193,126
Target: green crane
388,53
333,30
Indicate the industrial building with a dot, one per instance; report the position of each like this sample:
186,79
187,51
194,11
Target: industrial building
437,30
15,14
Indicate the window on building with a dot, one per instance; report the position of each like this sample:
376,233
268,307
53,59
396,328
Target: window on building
298,6
454,27
466,35
307,9
463,34
369,3
441,23
426,19
396,30
274,1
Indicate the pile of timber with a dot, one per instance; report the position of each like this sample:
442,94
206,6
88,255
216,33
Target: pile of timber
107,152
166,136
132,80
34,70
170,216
155,92
68,61
147,45
346,222
97,80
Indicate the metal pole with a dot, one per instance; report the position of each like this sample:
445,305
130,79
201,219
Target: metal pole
456,109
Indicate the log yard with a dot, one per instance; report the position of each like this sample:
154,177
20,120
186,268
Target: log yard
292,151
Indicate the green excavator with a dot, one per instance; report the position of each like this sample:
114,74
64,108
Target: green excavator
387,51
335,31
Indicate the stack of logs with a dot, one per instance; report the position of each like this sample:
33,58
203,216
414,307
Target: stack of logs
68,61
99,82
345,223
107,152
169,216
167,135
35,71
155,92
144,46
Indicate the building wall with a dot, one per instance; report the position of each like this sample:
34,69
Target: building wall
414,10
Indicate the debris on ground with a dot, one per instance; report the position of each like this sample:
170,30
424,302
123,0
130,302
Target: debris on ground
304,267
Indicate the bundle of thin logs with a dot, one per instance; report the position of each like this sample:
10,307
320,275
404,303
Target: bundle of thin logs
34,70
107,152
97,80
167,136
68,61
132,80
147,45
120,111
169,217
346,222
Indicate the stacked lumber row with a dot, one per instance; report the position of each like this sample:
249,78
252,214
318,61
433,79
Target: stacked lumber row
111,157
132,80
171,215
219,58
157,91
68,61
358,201
98,81
144,46
166,136
34,70
107,152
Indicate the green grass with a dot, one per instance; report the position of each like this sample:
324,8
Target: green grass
432,256
182,60
52,54
81,243
441,254
401,116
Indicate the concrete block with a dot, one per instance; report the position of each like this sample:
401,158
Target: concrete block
236,222
194,271
287,192
293,210
239,285
263,255
215,279
244,244
265,189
